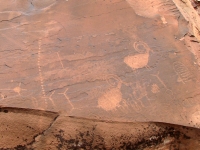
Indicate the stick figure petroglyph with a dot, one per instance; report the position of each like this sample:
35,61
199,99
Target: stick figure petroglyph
168,91
67,98
140,93
139,60
60,61
157,76
135,105
17,89
51,99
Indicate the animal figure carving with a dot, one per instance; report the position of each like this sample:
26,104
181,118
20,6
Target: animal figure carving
139,60
111,99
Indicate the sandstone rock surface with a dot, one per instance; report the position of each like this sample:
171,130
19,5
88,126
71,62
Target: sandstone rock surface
72,65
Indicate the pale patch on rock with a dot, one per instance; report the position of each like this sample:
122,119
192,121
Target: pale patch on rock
163,20
137,61
110,99
196,117
155,89
143,8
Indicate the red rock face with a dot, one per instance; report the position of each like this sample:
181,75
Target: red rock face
115,60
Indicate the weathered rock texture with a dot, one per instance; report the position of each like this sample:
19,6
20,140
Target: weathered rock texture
20,127
114,60
190,9
77,133
23,129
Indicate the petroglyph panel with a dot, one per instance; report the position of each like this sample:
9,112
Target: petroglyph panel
114,60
